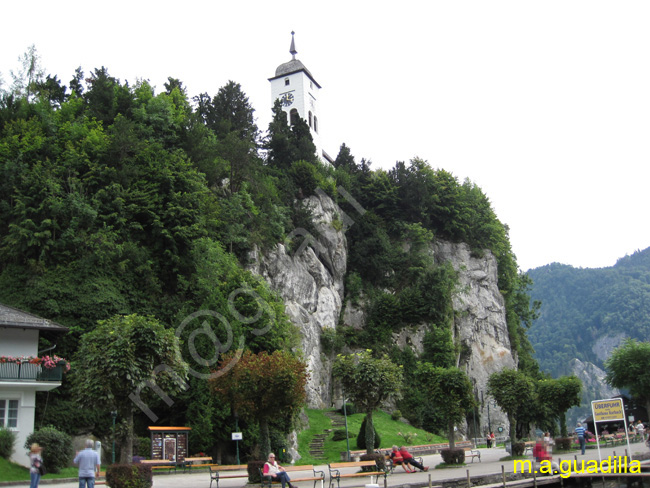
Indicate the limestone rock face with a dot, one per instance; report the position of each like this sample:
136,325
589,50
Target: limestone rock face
310,280
593,380
479,323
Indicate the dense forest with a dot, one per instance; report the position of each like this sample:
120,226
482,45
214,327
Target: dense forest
581,306
118,199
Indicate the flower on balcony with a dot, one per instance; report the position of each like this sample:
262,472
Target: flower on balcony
47,362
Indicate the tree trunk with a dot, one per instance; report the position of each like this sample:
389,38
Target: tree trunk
126,453
451,434
370,433
563,430
265,440
513,429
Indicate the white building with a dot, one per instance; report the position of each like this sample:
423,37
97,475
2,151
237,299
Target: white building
298,90
20,380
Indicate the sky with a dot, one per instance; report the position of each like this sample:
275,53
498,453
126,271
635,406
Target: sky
545,105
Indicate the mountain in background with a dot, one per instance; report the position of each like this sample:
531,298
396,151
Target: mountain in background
586,313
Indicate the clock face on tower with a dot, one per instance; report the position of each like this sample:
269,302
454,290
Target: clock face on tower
286,99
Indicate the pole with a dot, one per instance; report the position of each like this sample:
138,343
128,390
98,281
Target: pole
114,415
237,442
347,439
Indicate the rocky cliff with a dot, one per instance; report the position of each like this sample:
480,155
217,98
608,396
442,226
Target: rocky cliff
310,280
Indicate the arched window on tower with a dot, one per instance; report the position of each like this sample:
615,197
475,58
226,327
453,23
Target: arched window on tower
293,115
310,119
315,124
287,82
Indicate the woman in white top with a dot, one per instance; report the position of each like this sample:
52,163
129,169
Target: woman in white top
275,471
36,461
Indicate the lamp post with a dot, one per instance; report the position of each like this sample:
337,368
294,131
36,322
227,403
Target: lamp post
237,430
114,415
347,439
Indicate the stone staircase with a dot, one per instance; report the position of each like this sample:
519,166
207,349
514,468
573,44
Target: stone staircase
317,444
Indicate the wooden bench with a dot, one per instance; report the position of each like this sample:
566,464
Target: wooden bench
529,446
267,481
335,471
98,481
189,462
390,465
215,472
472,453
157,464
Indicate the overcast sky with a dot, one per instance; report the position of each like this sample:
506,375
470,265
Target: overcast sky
545,105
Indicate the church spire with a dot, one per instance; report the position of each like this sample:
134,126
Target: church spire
292,49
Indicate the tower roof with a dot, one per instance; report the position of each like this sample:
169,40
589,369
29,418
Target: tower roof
293,66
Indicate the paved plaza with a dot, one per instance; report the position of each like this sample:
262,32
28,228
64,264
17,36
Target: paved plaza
490,464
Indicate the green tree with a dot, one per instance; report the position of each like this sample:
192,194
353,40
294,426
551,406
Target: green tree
368,382
629,367
263,388
513,391
558,396
450,390
122,362
29,75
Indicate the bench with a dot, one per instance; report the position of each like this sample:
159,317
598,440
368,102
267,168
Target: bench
390,465
335,471
529,446
472,453
215,472
160,464
267,481
189,462
98,481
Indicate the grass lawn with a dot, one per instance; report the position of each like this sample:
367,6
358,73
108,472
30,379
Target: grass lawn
386,427
14,472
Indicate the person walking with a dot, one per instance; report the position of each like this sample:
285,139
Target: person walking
274,470
580,432
640,430
35,463
88,462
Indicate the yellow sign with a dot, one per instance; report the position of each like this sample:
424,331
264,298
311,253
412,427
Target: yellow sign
608,410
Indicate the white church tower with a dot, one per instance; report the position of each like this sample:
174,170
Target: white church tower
297,90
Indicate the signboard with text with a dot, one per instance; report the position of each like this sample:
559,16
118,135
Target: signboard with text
604,410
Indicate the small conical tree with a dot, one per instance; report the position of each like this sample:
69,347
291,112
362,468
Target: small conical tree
361,438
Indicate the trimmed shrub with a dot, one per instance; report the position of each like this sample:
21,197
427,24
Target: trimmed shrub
7,441
396,415
361,438
453,456
563,443
378,458
518,448
129,476
350,409
253,469
339,435
57,447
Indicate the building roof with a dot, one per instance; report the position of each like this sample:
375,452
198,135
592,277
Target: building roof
293,66
14,318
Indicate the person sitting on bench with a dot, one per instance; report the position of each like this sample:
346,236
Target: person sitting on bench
409,459
277,472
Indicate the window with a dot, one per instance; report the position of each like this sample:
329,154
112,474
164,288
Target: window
9,413
287,82
315,124
293,115
310,119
